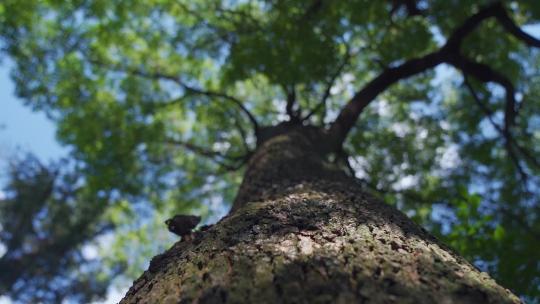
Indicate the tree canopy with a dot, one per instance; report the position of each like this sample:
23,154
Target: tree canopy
434,105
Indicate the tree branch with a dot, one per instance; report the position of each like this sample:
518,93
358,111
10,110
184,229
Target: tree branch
243,134
511,27
212,155
187,88
485,73
236,101
350,113
449,53
510,141
291,102
329,86
410,6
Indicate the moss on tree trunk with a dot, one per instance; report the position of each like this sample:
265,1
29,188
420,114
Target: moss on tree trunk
301,231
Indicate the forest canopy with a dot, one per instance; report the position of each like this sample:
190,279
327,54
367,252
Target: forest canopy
160,104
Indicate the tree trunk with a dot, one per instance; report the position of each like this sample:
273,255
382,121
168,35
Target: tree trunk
301,231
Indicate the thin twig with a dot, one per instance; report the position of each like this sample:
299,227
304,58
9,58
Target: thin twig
329,85
510,142
187,88
215,156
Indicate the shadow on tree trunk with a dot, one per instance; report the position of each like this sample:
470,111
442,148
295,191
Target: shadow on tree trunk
320,242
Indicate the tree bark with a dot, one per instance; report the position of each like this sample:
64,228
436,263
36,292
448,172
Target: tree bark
301,231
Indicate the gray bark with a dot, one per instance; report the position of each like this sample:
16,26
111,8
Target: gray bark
301,231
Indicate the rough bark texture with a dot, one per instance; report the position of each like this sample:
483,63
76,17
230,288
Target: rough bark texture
301,231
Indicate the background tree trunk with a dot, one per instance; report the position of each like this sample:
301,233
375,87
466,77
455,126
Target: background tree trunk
301,231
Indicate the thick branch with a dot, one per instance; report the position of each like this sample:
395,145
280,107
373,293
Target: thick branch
449,53
511,27
350,113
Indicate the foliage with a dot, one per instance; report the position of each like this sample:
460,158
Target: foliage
46,221
161,102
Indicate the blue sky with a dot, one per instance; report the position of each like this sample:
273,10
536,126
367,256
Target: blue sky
20,128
